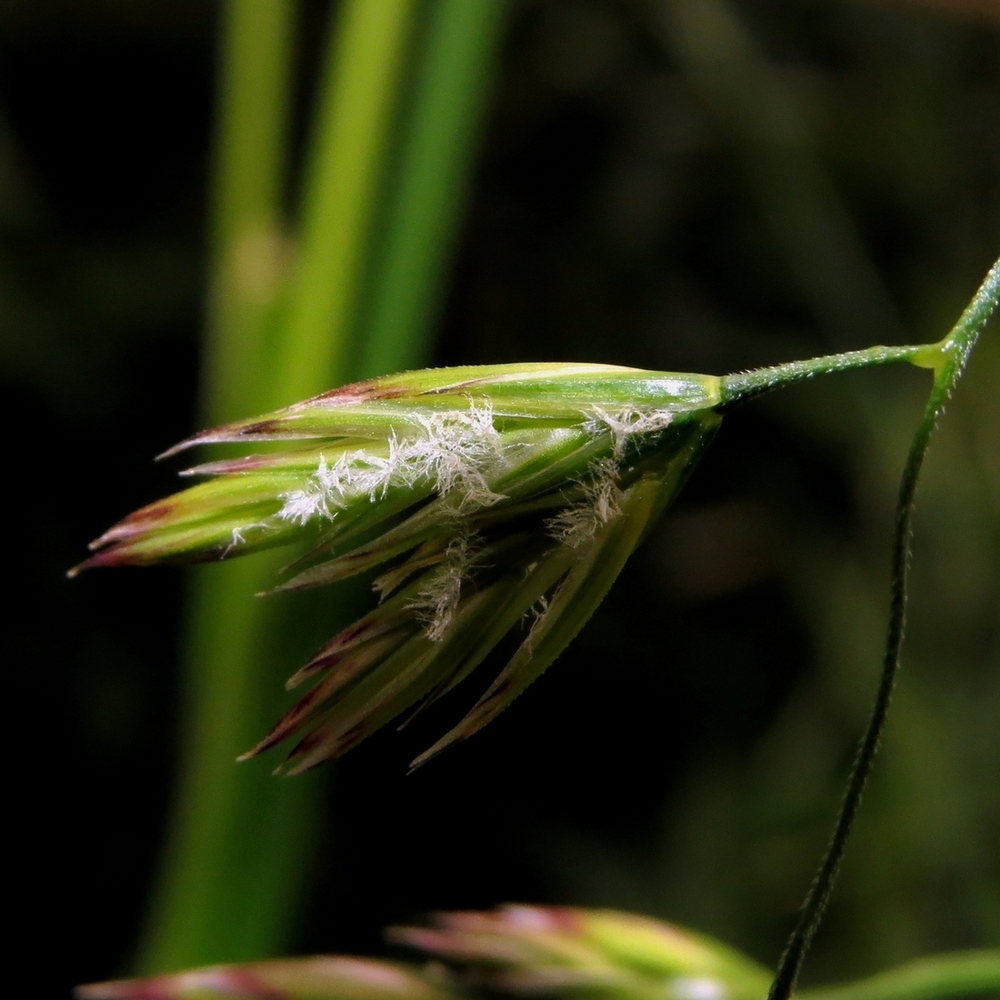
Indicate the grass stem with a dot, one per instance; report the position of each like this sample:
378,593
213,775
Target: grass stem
948,360
203,907
357,111
429,193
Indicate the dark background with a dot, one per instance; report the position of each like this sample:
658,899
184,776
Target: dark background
684,757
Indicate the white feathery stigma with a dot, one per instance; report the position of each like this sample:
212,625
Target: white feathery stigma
577,524
454,451
437,603
535,615
627,423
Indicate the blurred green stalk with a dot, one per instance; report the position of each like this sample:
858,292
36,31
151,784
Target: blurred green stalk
344,180
428,200
248,237
197,911
239,842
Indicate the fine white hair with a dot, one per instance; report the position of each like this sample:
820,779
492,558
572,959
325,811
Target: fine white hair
453,451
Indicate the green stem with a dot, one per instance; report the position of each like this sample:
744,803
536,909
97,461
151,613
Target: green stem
358,105
948,359
428,197
206,903
748,385
248,238
932,978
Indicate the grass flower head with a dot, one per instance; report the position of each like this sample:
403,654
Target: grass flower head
484,500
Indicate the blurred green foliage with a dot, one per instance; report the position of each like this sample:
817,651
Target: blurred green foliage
688,186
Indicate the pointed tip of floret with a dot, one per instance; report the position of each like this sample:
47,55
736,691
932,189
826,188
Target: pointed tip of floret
226,434
111,557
